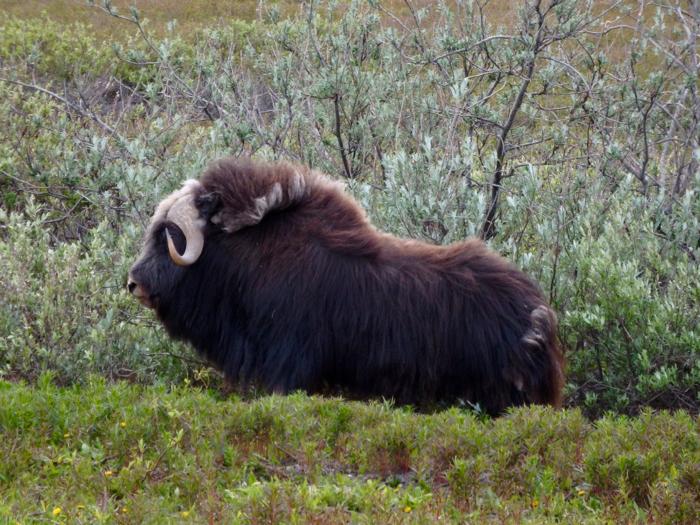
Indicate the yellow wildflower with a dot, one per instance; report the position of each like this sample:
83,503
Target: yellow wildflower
581,492
535,503
185,513
108,473
56,511
407,508
122,424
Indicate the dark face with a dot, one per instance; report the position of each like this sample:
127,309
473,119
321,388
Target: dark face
154,277
157,279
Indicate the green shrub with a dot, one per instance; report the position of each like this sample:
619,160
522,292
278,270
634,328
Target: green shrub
64,307
48,48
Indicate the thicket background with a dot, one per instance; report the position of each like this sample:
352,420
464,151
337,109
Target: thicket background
565,133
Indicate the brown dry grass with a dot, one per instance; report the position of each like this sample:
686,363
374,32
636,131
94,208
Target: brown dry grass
192,14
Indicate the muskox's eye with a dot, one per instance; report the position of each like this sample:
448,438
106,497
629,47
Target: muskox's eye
208,204
177,236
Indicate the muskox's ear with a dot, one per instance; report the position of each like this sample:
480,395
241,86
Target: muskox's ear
208,205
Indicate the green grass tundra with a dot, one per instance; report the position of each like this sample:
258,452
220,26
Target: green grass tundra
119,453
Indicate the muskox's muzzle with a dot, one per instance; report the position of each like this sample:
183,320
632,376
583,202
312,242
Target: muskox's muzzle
139,292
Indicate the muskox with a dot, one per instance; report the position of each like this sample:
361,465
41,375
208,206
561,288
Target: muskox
276,276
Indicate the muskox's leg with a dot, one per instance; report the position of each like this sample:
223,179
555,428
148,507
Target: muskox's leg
288,369
240,362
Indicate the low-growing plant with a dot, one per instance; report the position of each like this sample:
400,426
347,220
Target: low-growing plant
183,454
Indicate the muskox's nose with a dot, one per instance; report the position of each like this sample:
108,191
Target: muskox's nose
138,291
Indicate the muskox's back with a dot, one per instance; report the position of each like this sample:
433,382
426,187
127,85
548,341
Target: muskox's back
294,289
441,324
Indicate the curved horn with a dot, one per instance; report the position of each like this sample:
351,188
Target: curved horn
185,215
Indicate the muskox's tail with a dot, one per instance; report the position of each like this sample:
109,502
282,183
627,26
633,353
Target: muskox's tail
544,361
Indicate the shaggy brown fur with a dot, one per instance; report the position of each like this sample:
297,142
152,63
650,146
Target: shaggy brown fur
295,289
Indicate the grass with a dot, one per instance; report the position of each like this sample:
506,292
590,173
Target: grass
190,15
118,453
198,13
194,14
